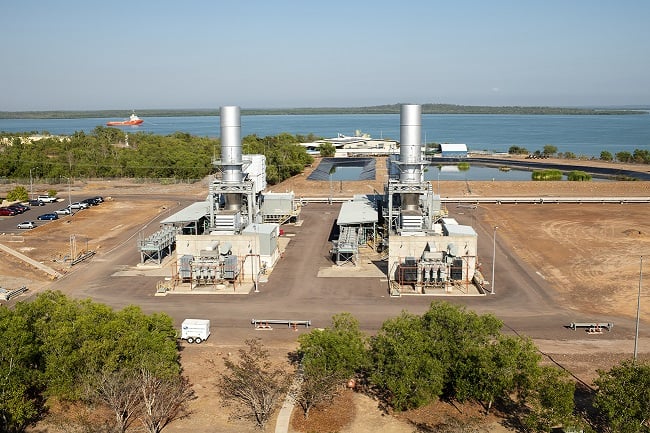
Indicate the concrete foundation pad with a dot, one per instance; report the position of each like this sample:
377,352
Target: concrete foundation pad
218,289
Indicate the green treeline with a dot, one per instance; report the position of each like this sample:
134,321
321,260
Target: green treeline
70,350
107,153
376,109
639,156
452,354
117,364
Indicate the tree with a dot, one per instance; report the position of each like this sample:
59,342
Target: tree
517,150
253,384
496,370
606,156
550,400
340,348
328,357
452,328
452,352
19,193
404,366
80,338
549,150
327,149
119,391
624,156
21,384
624,397
318,386
163,400
641,156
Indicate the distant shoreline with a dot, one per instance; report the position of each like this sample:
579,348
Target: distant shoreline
378,109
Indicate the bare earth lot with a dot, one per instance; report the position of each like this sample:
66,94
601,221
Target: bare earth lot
589,254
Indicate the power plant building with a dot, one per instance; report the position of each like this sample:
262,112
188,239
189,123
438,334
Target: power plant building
232,237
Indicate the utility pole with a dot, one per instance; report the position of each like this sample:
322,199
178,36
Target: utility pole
31,186
638,308
69,197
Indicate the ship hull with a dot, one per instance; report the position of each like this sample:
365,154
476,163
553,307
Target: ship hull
125,123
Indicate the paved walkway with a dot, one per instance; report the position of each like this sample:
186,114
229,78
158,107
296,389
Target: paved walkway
284,417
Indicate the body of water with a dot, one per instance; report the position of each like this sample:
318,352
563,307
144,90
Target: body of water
582,135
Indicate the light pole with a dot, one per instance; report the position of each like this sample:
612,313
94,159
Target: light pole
638,308
494,255
69,197
31,186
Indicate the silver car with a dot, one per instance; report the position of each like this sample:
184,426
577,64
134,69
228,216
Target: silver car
78,205
26,225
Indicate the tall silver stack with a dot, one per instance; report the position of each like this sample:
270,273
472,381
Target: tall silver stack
406,212
410,153
231,150
410,147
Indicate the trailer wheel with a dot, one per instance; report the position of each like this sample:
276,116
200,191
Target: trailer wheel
190,340
198,340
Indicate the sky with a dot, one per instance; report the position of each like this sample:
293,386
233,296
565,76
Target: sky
145,54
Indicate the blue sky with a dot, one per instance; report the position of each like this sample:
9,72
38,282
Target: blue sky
85,55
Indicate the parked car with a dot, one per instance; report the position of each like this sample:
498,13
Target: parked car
16,208
48,216
92,201
47,199
79,205
5,211
64,211
36,202
26,225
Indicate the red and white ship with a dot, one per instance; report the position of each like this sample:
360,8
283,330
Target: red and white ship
131,121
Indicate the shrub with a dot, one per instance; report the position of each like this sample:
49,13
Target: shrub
19,193
547,175
578,175
518,150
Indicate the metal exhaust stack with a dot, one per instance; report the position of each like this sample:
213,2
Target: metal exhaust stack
410,151
231,151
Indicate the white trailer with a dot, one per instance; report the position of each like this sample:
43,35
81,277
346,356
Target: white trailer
195,330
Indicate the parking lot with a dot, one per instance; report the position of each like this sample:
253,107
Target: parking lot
41,214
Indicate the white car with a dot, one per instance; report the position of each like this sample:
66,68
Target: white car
26,225
64,211
78,205
47,199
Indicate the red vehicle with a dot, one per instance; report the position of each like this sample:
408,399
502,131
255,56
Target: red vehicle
5,211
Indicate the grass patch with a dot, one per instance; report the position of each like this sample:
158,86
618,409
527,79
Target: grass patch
547,175
579,176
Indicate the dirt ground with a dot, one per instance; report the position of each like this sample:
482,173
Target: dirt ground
590,254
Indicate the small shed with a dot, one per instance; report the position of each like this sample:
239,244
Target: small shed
453,150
